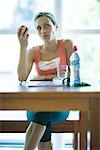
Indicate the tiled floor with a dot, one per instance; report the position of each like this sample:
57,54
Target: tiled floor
62,141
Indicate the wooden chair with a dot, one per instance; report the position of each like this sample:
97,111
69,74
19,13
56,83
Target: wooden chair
77,127
68,126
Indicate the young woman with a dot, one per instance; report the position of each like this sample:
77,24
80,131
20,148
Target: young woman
45,58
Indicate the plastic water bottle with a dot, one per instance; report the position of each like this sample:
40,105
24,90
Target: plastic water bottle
75,67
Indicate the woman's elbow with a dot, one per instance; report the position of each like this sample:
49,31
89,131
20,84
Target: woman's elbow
22,77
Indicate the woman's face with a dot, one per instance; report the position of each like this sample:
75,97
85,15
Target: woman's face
45,28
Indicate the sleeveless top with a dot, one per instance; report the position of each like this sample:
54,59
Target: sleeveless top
51,69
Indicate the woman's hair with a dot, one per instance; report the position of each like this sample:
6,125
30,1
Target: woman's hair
47,14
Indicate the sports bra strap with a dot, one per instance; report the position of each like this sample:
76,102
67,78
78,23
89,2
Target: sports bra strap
63,54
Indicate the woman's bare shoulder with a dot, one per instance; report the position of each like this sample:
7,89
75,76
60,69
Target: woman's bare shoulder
68,43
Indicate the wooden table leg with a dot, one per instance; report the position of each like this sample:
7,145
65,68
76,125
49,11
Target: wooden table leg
83,131
95,123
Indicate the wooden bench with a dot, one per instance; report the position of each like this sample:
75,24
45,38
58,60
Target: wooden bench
68,126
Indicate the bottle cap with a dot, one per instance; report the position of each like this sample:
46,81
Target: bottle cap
75,48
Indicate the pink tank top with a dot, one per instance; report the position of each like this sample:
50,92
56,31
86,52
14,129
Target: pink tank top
63,60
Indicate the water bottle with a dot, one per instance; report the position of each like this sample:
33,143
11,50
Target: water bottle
75,67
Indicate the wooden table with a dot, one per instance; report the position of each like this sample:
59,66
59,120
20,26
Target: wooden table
14,96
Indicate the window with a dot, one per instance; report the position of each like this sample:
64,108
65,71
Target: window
81,14
20,12
78,20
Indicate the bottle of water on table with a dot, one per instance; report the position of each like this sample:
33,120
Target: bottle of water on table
75,68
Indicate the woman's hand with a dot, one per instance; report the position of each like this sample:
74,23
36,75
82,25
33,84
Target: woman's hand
43,77
23,35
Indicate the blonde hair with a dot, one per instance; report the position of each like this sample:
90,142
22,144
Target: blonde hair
47,14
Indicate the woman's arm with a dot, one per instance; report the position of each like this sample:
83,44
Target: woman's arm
43,77
25,59
69,50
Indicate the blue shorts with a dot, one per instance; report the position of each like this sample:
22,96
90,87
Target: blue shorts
47,119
